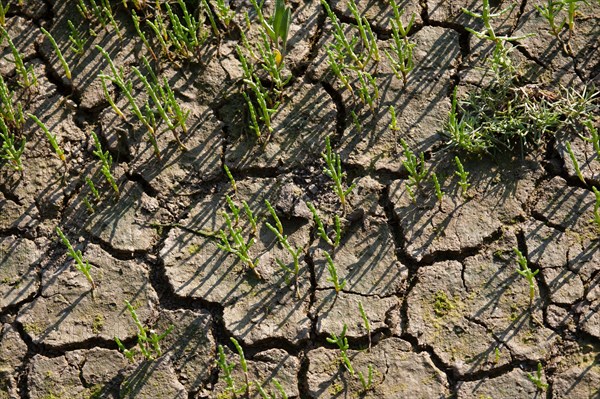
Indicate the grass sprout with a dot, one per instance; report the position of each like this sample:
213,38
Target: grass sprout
527,273
238,246
333,169
227,369
342,342
83,266
243,364
402,61
574,162
59,152
366,383
59,54
462,176
147,339
106,160
537,378
596,219
366,323
28,77
10,113
277,27
416,168
11,150
78,42
335,242
333,276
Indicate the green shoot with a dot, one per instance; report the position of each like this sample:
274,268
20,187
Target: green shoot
148,340
279,388
224,12
83,267
59,152
243,363
10,151
77,41
461,130
129,354
235,211
141,35
596,207
356,121
416,168
93,188
251,217
3,11
278,26
230,177
283,241
369,41
438,190
27,74
402,64
11,114
342,342
367,84
240,247
342,47
106,160
227,368
394,122
575,163
333,276
526,272
88,205
550,12
537,378
367,383
462,175
333,170
595,138
321,228
365,322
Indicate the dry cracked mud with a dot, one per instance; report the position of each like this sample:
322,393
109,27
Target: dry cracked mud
429,296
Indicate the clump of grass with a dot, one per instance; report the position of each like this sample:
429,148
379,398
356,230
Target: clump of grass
148,340
51,138
83,267
402,61
527,273
333,169
106,160
10,150
284,242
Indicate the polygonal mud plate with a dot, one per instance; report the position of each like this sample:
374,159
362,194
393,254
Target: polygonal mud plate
366,260
472,313
190,345
80,374
514,384
200,162
333,311
398,372
13,215
421,107
12,354
66,312
496,196
263,368
19,258
150,380
124,225
590,311
306,115
577,372
565,207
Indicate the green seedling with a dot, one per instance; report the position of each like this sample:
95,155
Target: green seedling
128,353
550,12
333,170
59,152
240,247
227,368
83,267
88,205
338,69
11,114
368,92
93,188
462,176
107,10
462,132
271,64
148,340
106,160
243,364
251,217
367,384
61,58
10,150
596,207
356,121
438,190
3,11
321,228
28,77
574,162
363,314
342,342
278,26
402,61
394,121
537,378
211,17
369,41
342,48
526,272
142,35
333,276
230,177
77,40
572,8
223,12
266,395
595,138
284,242
416,168
235,211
